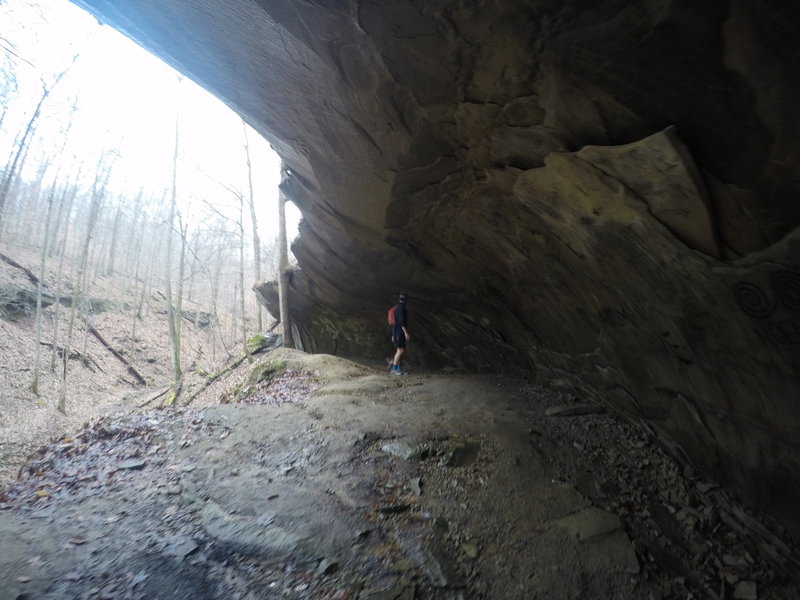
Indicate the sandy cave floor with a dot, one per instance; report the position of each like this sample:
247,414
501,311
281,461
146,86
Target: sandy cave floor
336,480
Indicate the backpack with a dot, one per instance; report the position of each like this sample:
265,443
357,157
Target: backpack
390,316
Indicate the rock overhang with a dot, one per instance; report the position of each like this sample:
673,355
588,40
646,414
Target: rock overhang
600,192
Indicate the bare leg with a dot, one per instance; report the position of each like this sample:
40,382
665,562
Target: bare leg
398,356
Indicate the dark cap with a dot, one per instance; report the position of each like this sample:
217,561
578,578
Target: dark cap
402,297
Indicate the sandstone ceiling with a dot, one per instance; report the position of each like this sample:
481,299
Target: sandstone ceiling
601,192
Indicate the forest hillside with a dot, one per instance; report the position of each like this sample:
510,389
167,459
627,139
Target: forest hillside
120,333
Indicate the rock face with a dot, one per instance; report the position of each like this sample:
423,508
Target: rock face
603,192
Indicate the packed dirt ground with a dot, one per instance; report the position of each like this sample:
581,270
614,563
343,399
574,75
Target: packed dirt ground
309,476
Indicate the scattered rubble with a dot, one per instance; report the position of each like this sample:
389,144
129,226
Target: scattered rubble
692,528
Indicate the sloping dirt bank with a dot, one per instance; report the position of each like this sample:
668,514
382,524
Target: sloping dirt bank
332,480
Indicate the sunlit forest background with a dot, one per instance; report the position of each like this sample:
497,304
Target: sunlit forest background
124,181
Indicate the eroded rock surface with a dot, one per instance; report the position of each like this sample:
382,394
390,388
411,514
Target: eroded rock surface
600,191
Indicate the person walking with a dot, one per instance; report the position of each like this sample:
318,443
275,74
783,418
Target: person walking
400,334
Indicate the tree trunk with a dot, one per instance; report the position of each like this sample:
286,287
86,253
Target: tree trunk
98,192
215,300
113,242
173,320
39,289
241,275
283,276
256,238
10,174
184,228
65,200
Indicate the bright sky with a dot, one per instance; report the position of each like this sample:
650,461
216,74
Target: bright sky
127,100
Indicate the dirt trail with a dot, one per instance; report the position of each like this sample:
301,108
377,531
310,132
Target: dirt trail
345,482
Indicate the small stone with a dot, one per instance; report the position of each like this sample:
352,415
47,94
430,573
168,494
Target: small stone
731,578
133,464
746,590
704,486
182,548
462,456
77,540
440,525
470,549
326,566
404,564
733,561
391,509
400,449
699,549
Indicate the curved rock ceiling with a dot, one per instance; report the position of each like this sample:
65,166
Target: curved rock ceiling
600,192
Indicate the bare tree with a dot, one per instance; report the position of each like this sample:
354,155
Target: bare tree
283,275
254,220
64,207
22,145
39,292
46,239
241,274
173,319
112,252
183,229
102,175
143,275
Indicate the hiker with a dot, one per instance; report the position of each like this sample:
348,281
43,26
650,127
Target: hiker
400,334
